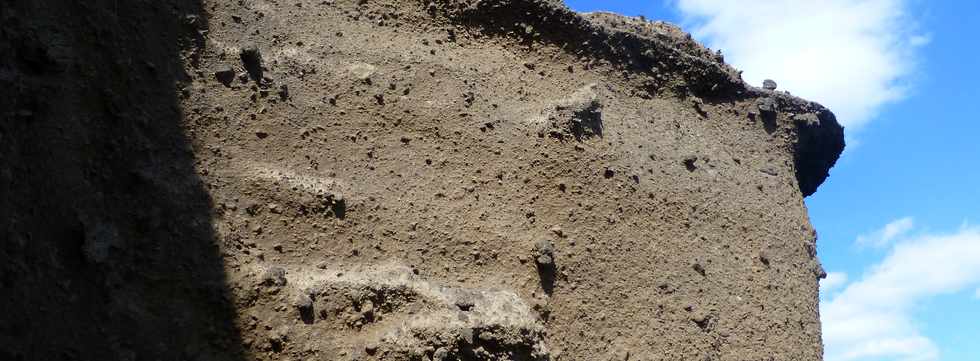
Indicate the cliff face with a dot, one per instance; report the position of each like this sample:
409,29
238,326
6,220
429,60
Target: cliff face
397,180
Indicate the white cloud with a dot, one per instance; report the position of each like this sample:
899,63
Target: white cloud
851,55
873,318
887,234
833,282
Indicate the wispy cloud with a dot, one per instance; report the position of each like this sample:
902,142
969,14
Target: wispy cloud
872,318
833,282
854,56
886,234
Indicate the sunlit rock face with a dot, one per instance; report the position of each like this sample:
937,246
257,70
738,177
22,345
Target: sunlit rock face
397,180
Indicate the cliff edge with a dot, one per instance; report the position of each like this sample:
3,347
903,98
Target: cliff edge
397,180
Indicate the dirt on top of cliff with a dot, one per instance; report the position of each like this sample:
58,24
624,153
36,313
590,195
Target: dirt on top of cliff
673,60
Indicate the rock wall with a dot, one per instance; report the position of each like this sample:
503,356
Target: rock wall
396,180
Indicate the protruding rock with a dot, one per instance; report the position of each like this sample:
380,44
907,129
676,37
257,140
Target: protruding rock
278,337
429,316
362,71
252,60
283,92
304,305
690,163
100,238
225,75
702,319
765,258
274,276
302,301
767,106
808,119
544,252
699,269
577,116
440,354
769,84
556,229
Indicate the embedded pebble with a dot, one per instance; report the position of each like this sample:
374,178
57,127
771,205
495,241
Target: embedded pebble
303,302
545,252
274,276
225,75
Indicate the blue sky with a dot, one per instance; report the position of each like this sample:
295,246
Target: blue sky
899,218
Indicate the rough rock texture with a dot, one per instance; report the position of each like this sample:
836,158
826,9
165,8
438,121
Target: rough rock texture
396,180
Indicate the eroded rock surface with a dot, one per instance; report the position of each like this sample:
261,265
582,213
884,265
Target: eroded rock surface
396,180
390,313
